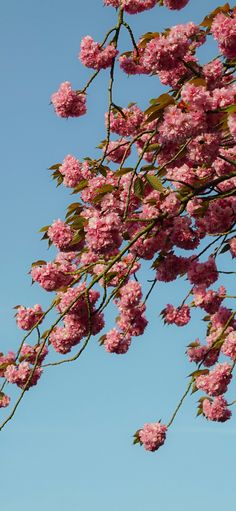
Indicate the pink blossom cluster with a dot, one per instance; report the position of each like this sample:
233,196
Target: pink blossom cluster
53,275
199,353
203,273
132,319
6,360
132,6
209,300
68,102
216,382
27,318
80,318
166,54
152,436
118,150
4,400
216,409
33,354
127,122
60,234
73,171
93,55
229,346
23,374
179,316
117,342
223,30
136,6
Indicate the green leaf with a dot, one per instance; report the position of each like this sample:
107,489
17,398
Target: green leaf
154,182
139,187
199,412
199,372
118,109
45,236
105,189
103,170
45,334
74,206
146,38
123,170
160,103
80,186
102,339
207,21
226,248
45,228
145,168
38,263
55,166
197,82
152,147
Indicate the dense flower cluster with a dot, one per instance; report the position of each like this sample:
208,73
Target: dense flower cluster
94,56
136,6
174,207
216,410
152,436
68,102
216,382
27,318
21,375
60,234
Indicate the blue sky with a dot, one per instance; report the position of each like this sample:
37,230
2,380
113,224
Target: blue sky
70,444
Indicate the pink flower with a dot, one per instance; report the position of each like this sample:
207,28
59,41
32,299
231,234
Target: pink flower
30,353
93,55
52,276
232,244
175,4
60,234
80,306
27,318
71,169
204,148
126,124
118,150
152,436
216,382
179,316
178,126
67,102
202,353
196,96
171,267
203,273
6,360
136,6
229,346
216,410
4,400
103,233
132,63
113,3
209,300
21,373
64,338
232,125
223,30
117,342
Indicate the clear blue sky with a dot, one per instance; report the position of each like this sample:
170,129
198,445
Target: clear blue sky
70,444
